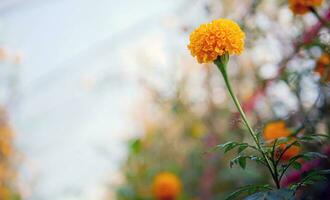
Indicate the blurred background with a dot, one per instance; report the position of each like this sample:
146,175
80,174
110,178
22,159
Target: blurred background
98,97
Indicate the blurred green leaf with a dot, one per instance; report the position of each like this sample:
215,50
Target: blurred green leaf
312,138
135,145
249,189
296,165
282,194
242,147
242,162
228,146
311,178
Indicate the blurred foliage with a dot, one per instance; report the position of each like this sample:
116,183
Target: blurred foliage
8,156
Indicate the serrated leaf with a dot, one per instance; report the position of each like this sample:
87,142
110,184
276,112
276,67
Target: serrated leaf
282,194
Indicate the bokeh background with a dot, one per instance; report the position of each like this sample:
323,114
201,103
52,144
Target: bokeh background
102,95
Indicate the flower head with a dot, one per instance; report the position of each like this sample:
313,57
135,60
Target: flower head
301,7
323,67
221,36
166,186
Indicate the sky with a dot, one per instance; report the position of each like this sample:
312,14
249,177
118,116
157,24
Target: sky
75,87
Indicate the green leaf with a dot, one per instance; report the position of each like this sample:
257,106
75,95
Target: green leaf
282,194
242,162
319,178
308,156
282,140
313,155
312,138
228,146
135,145
311,178
249,189
242,147
258,159
296,165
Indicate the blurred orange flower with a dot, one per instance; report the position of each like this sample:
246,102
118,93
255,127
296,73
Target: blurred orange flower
5,141
323,67
166,186
289,153
4,193
301,7
3,54
276,130
214,39
279,129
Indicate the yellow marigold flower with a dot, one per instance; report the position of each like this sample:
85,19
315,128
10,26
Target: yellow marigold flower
276,130
166,186
323,67
214,39
301,7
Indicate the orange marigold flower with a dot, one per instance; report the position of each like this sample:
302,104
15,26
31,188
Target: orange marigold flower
214,39
301,7
323,67
276,130
166,186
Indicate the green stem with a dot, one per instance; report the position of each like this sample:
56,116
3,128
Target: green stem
221,62
277,180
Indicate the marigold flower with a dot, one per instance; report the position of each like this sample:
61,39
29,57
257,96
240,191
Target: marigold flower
166,186
301,7
214,39
323,67
276,130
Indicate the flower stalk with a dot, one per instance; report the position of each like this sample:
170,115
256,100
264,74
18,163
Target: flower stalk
221,63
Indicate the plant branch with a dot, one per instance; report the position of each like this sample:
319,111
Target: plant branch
222,65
